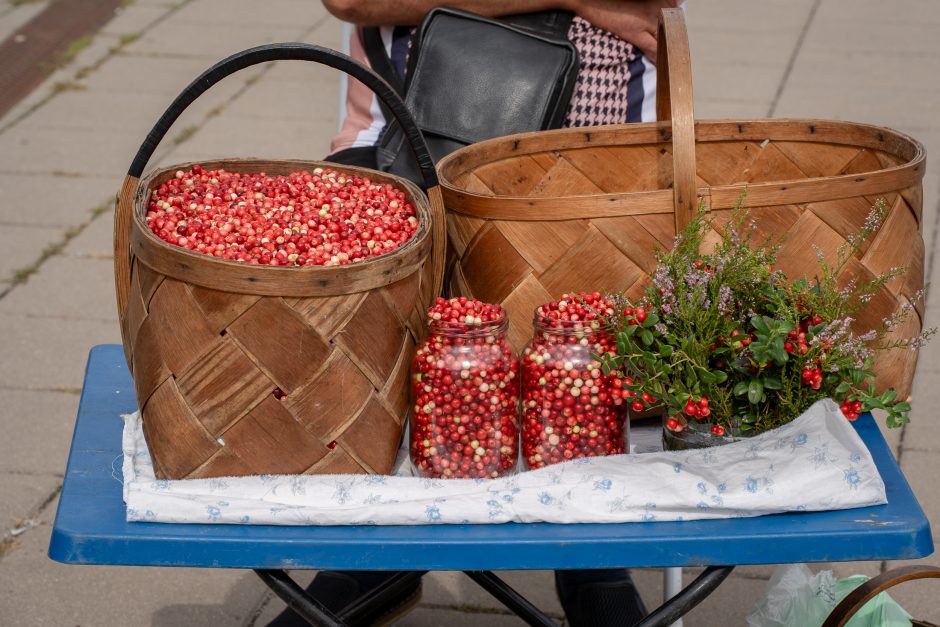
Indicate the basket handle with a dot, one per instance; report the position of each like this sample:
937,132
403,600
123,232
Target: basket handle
242,60
674,102
857,598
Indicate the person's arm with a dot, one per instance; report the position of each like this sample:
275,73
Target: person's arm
632,20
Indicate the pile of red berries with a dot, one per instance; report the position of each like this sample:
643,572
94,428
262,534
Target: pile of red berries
465,387
319,218
570,408
851,409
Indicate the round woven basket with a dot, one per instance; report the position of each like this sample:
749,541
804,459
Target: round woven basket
534,215
243,369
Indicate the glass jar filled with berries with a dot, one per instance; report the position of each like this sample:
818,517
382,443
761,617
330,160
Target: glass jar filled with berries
465,386
570,408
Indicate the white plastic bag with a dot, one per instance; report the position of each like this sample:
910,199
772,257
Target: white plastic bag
796,597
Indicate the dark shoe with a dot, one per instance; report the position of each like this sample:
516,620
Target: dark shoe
599,598
337,589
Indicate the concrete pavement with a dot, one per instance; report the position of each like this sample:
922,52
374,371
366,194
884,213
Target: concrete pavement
64,151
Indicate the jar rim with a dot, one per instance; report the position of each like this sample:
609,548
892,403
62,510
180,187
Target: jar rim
458,329
544,323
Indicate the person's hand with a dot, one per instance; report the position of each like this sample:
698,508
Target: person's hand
635,21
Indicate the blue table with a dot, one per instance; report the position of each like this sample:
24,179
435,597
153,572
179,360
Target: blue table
90,527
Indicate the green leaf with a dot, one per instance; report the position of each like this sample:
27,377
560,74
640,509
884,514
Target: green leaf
651,320
902,407
740,388
842,388
646,336
755,390
665,350
888,396
720,376
706,377
623,343
772,382
760,323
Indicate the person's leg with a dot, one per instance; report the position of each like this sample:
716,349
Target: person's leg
599,598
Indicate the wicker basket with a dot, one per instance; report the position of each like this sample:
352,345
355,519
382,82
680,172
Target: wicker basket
533,215
209,341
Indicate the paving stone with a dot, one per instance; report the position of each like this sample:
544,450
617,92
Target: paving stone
134,18
285,13
21,245
922,469
96,241
764,17
922,433
211,41
313,98
118,596
717,108
66,288
132,73
21,496
48,200
42,352
75,151
270,605
43,423
227,137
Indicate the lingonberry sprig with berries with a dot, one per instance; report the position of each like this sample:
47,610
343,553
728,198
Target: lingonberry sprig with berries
722,340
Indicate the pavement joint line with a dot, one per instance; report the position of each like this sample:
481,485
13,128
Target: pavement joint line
792,60
252,618
21,275
84,72
65,318
9,541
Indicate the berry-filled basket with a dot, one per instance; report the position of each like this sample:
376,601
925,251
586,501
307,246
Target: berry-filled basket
246,369
534,215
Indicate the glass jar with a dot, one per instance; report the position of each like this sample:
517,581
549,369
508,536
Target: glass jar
465,387
695,434
570,409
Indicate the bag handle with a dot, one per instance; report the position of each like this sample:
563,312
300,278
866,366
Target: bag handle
857,598
674,102
242,60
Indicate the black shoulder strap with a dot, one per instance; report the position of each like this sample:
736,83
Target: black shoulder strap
378,58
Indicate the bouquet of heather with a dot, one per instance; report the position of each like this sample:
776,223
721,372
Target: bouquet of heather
728,346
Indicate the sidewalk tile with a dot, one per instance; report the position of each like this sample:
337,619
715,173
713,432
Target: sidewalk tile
20,497
21,245
53,201
118,596
281,100
289,13
43,424
96,241
42,352
76,151
921,468
134,18
164,77
228,137
66,288
15,16
208,40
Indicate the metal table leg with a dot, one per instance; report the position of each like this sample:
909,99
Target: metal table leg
689,597
315,613
503,593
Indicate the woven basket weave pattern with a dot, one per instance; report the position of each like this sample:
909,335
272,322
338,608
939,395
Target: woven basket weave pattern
522,264
232,383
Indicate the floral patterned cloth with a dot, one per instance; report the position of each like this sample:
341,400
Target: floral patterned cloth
817,462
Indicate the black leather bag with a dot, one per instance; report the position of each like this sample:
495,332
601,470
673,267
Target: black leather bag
472,78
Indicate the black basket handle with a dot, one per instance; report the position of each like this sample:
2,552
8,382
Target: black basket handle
286,52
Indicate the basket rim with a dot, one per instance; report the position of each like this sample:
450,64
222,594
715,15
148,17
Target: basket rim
615,204
179,263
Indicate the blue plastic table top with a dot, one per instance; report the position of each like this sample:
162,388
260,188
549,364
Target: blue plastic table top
90,525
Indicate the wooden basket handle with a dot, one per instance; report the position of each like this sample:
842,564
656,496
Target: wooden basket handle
242,60
856,599
674,102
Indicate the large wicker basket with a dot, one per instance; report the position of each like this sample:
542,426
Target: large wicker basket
531,216
210,341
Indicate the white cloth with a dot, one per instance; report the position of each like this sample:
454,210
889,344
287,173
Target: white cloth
817,462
